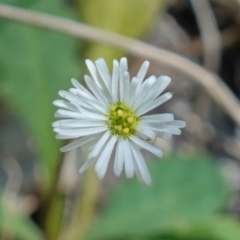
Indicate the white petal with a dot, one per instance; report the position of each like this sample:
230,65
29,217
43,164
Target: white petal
173,130
132,91
175,123
64,104
157,118
101,143
92,143
123,69
68,114
141,73
70,123
78,101
89,103
149,82
79,132
116,169
143,144
92,69
70,96
75,144
153,104
104,73
82,90
141,164
115,77
159,86
128,160
167,129
146,133
94,116
102,162
99,93
61,136
76,83
166,136
124,87
81,94
145,88
97,107
87,164
123,65
137,171
90,114
118,161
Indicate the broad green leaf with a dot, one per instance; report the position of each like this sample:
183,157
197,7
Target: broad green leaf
215,228
131,18
15,224
34,65
183,189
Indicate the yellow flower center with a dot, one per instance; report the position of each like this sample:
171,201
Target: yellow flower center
121,120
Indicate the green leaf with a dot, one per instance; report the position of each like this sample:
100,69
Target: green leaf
183,189
34,65
15,224
214,228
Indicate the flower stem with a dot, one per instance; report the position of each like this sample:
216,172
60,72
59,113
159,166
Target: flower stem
52,205
85,208
88,201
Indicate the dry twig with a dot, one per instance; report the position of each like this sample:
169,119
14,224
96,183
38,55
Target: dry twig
212,84
230,37
209,34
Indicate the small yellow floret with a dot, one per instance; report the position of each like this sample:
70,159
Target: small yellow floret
120,112
126,130
130,119
119,128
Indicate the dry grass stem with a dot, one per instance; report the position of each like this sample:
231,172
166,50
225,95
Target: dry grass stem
214,86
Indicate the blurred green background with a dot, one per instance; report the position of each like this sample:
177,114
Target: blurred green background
195,192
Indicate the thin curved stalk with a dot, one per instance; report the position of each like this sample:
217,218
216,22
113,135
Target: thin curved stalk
214,86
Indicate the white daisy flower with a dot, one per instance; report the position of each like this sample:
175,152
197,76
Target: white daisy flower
110,116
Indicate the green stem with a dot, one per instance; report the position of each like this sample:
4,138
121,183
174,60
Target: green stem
85,210
89,199
52,205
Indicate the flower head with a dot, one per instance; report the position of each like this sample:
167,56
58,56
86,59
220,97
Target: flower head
110,115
